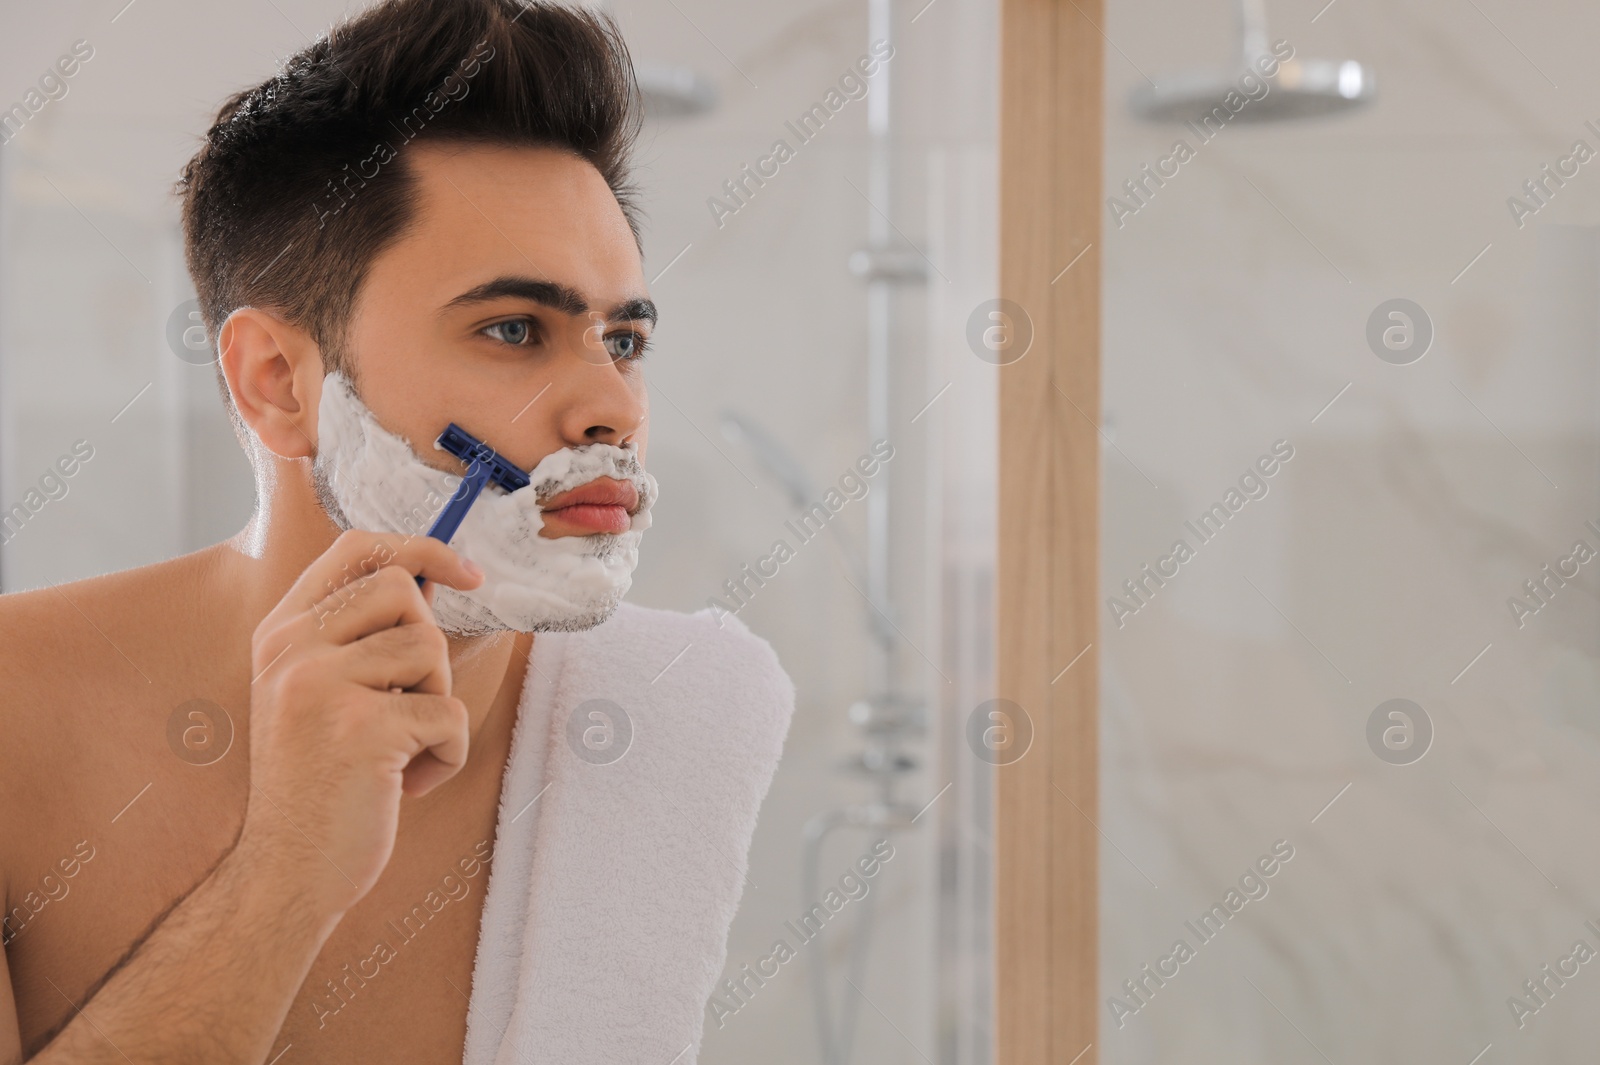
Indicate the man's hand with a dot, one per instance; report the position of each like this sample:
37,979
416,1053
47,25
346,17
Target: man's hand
350,707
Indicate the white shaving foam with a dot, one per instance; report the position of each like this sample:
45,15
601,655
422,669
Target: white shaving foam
370,478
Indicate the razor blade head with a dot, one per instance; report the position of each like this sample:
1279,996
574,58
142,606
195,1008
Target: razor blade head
469,449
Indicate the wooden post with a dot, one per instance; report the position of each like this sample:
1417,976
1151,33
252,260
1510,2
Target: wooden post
1047,874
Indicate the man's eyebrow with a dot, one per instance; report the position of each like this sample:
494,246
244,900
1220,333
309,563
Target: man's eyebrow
552,294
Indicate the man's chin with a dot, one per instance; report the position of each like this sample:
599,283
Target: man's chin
460,616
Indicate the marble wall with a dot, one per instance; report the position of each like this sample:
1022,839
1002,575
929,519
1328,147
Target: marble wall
1379,563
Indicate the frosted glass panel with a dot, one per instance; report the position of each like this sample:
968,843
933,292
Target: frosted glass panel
1351,649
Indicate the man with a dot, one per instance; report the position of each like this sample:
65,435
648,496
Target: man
424,218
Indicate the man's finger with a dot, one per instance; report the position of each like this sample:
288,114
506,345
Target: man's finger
358,553
413,658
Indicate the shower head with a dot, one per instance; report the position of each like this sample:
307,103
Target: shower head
1301,88
674,92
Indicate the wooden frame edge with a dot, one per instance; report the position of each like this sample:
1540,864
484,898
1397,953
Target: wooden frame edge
1047,873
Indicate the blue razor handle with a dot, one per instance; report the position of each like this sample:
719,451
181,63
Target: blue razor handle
484,465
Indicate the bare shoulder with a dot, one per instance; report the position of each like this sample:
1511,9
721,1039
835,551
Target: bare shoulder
78,661
58,637
44,652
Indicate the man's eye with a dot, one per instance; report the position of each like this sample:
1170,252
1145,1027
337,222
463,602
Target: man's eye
517,331
629,346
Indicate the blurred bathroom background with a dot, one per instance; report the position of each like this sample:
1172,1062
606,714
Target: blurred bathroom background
1422,494
783,353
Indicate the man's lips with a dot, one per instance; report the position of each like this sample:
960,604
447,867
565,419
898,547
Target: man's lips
604,505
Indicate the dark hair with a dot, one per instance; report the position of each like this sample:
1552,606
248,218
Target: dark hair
303,180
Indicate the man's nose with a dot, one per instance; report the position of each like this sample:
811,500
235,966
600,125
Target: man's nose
600,403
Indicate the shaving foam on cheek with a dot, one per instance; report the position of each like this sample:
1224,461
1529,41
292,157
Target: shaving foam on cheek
370,478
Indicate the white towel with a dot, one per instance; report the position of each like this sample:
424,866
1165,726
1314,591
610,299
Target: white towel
610,897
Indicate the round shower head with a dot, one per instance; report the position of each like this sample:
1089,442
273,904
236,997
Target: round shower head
1297,88
1301,88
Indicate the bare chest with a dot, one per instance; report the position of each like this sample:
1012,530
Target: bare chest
392,982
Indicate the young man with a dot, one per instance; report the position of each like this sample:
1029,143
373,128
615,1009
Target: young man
425,218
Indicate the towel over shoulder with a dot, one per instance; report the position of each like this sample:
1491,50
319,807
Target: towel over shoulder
641,755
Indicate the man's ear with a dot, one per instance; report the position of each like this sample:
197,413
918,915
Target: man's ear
274,371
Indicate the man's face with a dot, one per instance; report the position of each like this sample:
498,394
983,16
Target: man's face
513,306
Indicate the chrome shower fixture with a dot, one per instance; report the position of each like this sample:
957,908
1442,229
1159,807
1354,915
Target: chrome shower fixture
1296,89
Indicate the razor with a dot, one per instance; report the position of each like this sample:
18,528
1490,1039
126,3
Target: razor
484,465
